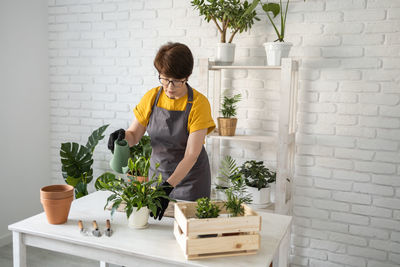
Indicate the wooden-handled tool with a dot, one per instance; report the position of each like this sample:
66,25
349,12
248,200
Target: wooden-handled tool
83,230
108,231
96,231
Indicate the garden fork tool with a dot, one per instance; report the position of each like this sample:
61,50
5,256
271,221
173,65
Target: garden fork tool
108,231
96,231
83,231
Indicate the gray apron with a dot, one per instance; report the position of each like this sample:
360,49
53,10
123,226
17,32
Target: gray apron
169,135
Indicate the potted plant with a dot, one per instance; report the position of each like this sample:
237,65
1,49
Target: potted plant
257,178
76,162
139,169
277,49
228,174
232,15
227,124
139,198
237,196
206,209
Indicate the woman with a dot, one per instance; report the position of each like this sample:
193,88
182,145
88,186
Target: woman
177,118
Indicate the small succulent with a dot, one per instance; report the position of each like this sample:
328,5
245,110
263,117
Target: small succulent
206,209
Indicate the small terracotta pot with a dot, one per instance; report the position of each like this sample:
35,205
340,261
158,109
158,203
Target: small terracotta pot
138,178
57,210
57,191
56,201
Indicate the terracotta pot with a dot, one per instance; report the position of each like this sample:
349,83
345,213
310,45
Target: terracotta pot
58,191
226,126
57,210
138,178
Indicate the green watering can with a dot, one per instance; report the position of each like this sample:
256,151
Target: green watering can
119,161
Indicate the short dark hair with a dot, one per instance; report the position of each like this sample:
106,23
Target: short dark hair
175,60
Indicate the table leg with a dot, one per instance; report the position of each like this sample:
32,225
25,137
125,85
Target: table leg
283,250
104,264
19,250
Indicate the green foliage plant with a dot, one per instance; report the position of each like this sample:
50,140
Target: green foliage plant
236,196
206,209
142,149
133,194
235,15
77,161
273,10
228,173
256,174
229,108
139,167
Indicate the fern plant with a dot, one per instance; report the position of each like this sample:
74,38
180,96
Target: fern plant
76,162
228,173
229,108
236,196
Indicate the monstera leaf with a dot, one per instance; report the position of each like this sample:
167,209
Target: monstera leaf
95,137
76,160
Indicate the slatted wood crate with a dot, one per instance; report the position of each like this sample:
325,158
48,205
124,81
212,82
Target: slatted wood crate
216,237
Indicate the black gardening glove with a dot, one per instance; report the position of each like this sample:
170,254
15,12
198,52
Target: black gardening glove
117,135
164,201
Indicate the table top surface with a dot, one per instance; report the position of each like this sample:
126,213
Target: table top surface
156,242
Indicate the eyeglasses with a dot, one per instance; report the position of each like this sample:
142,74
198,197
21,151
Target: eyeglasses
165,82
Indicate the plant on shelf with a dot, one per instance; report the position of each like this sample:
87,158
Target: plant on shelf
279,48
76,162
258,177
139,198
206,209
234,15
226,123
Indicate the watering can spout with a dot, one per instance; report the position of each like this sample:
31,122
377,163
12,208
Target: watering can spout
119,161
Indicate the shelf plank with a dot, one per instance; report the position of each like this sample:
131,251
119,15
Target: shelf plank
247,138
218,67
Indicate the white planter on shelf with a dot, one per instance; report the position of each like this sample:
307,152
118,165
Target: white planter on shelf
276,51
225,54
139,218
259,197
273,188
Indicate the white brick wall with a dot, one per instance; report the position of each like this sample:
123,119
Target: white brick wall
347,184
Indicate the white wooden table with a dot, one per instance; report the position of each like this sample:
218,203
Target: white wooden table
153,246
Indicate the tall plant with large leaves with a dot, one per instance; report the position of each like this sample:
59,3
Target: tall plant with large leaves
77,161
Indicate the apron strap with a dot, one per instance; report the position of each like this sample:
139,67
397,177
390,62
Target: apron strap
157,97
188,105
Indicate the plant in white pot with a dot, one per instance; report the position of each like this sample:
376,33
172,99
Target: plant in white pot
233,15
257,178
139,198
277,49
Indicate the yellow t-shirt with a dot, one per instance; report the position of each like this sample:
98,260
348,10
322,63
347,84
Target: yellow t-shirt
199,116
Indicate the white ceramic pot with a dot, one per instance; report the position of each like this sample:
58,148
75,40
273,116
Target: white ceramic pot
272,186
259,197
225,54
276,51
220,195
139,219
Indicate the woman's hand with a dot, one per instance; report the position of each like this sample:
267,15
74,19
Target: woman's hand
117,135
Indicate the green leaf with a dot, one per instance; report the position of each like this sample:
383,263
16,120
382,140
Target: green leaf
104,179
73,181
95,137
272,7
75,159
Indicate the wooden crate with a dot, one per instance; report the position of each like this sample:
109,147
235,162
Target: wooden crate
235,236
